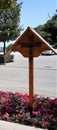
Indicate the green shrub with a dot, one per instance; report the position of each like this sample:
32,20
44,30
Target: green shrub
6,59
2,59
9,58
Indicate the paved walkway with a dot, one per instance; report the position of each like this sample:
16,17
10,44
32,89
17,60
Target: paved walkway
13,126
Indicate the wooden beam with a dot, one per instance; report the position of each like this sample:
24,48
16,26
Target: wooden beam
29,45
31,75
31,85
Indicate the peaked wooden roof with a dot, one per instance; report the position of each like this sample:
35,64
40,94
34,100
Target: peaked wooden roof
30,39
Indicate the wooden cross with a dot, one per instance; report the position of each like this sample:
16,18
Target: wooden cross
30,45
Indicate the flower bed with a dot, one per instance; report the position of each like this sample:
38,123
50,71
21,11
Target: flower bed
14,107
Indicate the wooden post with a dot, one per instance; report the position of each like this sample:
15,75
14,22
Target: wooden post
31,87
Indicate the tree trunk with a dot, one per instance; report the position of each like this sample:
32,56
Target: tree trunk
4,48
4,51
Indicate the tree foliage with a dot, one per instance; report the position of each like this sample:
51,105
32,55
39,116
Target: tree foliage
10,22
49,30
5,4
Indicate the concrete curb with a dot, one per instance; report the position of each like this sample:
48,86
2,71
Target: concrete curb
4,125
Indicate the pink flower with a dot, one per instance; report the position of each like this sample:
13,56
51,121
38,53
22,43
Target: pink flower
22,100
44,124
26,97
40,103
36,112
6,115
18,115
17,93
7,104
0,100
55,119
47,117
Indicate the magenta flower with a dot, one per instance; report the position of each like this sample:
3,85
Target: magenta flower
36,112
18,115
55,119
6,116
15,107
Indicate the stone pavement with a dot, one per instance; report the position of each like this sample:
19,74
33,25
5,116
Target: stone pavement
4,125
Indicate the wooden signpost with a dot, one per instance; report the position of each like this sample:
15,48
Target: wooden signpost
30,45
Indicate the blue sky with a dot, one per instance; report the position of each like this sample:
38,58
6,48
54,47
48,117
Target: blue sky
36,12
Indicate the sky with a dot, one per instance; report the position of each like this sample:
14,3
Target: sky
36,12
